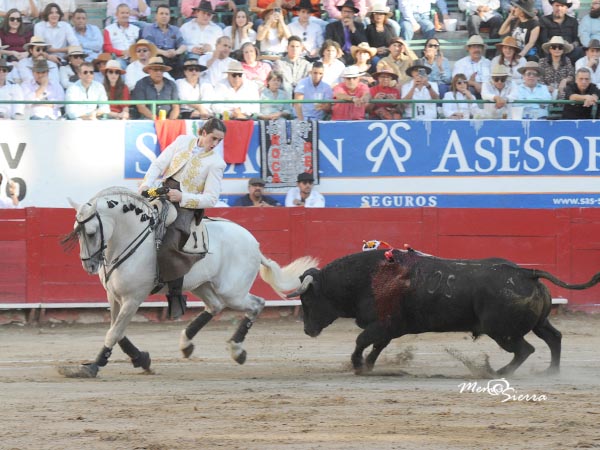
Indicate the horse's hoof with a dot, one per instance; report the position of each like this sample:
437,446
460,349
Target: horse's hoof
89,370
241,358
143,361
187,352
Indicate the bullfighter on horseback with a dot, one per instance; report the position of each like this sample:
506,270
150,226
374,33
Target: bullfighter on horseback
193,172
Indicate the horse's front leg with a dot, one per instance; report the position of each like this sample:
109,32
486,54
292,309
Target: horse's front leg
255,307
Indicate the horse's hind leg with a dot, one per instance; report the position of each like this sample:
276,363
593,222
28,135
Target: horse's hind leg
254,308
138,358
551,336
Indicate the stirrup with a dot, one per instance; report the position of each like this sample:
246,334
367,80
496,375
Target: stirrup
177,305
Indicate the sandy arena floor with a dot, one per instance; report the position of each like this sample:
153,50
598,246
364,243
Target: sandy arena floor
293,392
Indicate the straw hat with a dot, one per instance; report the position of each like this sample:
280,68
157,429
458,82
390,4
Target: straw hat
530,65
500,71
102,57
363,47
475,40
142,43
76,50
5,65
527,6
351,72
156,62
112,65
389,72
557,40
36,41
234,67
381,8
411,69
508,41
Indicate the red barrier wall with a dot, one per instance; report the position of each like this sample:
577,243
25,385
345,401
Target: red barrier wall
565,242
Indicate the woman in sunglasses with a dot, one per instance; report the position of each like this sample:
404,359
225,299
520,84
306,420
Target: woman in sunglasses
556,68
116,89
438,63
459,91
14,34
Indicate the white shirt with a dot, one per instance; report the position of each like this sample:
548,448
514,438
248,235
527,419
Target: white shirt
314,200
410,7
312,36
194,34
216,72
77,92
122,38
188,92
424,111
111,8
489,91
238,42
11,92
248,91
25,74
467,67
583,62
53,92
467,109
332,72
62,35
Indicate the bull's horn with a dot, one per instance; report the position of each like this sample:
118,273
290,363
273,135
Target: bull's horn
303,287
73,204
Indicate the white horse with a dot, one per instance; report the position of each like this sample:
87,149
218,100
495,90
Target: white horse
116,233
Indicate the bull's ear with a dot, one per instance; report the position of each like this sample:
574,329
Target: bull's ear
73,204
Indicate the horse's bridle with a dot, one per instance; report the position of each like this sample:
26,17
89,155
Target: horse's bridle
100,252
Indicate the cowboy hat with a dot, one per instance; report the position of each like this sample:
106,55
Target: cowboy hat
142,43
562,2
348,4
205,6
530,65
256,182
594,43
5,65
76,50
362,47
475,40
527,6
269,9
234,67
156,62
36,41
191,62
40,65
380,8
500,71
411,69
351,72
508,41
112,65
389,72
102,57
305,176
557,40
305,4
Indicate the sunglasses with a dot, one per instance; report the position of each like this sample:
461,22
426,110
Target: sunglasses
499,79
433,45
531,74
193,69
87,72
142,50
112,72
557,47
76,56
461,82
39,49
2,69
15,19
235,75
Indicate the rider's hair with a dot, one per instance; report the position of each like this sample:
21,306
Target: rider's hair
213,124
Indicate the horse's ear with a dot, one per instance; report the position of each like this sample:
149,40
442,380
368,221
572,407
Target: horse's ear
73,204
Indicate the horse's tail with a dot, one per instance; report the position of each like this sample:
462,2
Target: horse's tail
548,276
285,279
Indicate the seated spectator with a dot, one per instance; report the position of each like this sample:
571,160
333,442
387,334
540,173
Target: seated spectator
69,74
119,36
236,88
380,32
292,67
482,12
384,91
89,36
308,30
416,16
401,57
29,11
190,88
474,66
8,92
581,90
86,89
589,25
532,89
304,194
41,88
590,60
556,68
334,11
362,55
313,88
55,32
254,69
67,7
217,62
572,7
14,35
12,201
500,90
99,64
356,93
116,89
562,25
273,33
331,53
274,91
201,35
256,196
459,91
36,48
156,87
346,31
138,10
438,63
167,38
522,24
420,88
508,56
139,55
240,31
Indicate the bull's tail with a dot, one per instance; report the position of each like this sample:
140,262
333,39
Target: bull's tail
285,279
548,276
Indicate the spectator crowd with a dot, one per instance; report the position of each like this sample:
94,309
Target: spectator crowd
357,52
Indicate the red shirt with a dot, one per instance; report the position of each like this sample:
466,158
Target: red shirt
348,111
15,41
388,92
111,96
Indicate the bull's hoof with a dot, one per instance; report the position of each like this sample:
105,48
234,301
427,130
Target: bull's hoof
143,361
89,370
187,352
241,358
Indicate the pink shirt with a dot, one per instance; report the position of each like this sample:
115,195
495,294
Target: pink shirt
347,111
260,72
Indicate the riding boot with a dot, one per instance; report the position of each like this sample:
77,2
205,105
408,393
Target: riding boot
177,301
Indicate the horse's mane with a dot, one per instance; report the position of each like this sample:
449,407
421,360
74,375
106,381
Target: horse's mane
118,191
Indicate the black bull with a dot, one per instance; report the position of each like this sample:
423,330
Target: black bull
411,293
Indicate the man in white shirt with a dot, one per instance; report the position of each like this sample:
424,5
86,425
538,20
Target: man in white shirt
420,88
590,60
139,9
201,34
303,194
56,32
36,48
474,66
217,62
119,36
309,31
86,89
235,87
42,88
